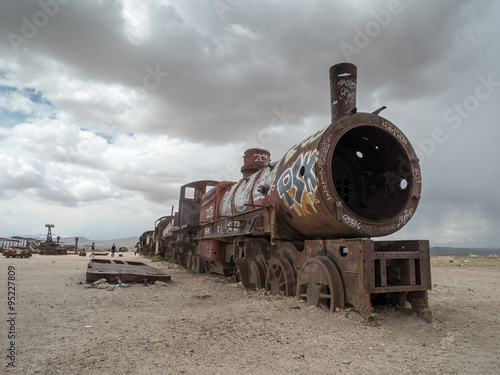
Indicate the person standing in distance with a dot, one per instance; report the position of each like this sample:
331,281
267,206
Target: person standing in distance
113,249
93,249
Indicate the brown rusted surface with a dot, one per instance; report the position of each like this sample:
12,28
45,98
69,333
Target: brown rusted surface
358,177
114,270
52,248
369,270
257,277
319,284
190,202
343,84
254,159
259,221
196,264
303,224
17,254
280,278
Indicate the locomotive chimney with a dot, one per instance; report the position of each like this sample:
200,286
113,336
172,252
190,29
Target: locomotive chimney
343,82
253,160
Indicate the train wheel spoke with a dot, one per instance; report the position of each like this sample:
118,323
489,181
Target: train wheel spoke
319,284
280,277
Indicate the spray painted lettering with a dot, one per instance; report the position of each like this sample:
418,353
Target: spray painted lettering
265,182
324,148
322,181
262,158
352,222
347,90
243,191
306,142
355,224
403,219
417,176
209,212
227,201
395,132
298,184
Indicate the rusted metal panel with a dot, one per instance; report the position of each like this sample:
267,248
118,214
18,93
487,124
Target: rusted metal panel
258,221
190,202
343,84
358,177
114,270
210,203
254,159
210,249
367,270
407,263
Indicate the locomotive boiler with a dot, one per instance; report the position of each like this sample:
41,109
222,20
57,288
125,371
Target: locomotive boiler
303,225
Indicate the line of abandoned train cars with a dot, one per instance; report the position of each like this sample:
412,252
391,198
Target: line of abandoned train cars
302,226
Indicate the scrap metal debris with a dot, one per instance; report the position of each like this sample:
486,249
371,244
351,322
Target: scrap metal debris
118,271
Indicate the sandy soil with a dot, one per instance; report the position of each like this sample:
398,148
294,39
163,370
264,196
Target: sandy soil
200,324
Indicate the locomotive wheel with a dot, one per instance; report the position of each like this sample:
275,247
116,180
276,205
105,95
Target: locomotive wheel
319,284
258,274
280,278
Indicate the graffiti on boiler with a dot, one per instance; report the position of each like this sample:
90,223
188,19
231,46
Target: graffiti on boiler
297,185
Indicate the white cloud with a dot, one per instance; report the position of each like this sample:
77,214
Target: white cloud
242,31
137,19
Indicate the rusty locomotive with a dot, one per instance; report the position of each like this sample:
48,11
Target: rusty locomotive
303,225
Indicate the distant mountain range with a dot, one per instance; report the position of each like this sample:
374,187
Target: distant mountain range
465,251
128,242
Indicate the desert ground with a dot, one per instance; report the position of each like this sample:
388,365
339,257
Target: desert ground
201,324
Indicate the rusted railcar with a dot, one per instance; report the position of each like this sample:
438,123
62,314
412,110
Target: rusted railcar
146,246
303,225
51,247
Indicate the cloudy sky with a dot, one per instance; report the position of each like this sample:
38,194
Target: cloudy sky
107,107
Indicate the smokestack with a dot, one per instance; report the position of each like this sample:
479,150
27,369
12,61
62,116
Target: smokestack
343,82
254,159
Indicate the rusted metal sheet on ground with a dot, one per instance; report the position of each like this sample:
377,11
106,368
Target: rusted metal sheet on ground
114,270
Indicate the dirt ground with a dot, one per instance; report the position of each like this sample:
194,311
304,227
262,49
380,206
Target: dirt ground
200,324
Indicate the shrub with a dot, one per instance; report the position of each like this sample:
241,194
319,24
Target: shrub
157,258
